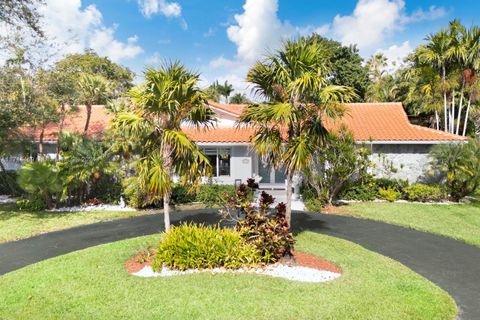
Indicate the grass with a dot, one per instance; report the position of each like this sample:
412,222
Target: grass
92,284
457,221
15,225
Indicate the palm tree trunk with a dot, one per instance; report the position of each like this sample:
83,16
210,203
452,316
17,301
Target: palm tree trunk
167,161
40,142
60,129
466,115
445,100
89,114
437,120
288,211
460,106
452,113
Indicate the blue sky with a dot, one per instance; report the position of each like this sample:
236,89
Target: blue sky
221,39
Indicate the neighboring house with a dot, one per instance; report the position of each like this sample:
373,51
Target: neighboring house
382,127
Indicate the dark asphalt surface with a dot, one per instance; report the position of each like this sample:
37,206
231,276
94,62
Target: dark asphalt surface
452,265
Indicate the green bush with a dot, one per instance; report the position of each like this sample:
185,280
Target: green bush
214,194
458,164
395,184
192,246
314,204
360,192
8,183
136,196
181,194
389,194
107,189
424,193
35,204
41,181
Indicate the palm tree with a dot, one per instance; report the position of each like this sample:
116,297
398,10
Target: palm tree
167,99
239,98
294,80
93,89
376,66
437,54
225,90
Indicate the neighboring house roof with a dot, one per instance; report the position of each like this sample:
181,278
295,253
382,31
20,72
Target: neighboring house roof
75,122
377,122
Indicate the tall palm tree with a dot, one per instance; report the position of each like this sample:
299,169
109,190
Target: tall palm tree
225,90
472,59
168,98
294,80
436,54
93,89
376,66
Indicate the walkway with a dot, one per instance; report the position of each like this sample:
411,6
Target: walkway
452,265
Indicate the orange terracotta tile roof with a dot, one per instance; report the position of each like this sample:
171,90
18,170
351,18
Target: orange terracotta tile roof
75,122
386,122
235,109
367,121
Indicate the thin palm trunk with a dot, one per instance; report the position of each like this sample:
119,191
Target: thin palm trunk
40,142
288,211
445,100
60,128
167,161
452,113
88,106
460,106
437,120
466,115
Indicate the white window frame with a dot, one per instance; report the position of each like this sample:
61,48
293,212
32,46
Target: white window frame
217,158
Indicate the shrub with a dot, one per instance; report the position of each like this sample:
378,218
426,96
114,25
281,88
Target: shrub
459,165
41,181
107,189
389,194
192,246
395,184
268,231
136,195
8,183
252,184
360,191
181,194
424,193
314,204
214,194
34,204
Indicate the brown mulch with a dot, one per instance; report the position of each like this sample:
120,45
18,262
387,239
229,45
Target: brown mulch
299,259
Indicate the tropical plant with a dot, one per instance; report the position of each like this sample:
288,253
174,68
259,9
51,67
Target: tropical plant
459,165
93,89
191,246
424,193
84,162
337,162
41,181
239,98
167,99
389,194
294,80
224,90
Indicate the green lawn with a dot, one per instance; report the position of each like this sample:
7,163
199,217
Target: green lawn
458,221
92,284
16,224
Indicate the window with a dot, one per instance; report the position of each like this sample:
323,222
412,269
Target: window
219,159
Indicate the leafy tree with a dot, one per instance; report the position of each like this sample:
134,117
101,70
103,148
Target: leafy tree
22,13
289,126
168,98
93,89
459,165
346,67
239,98
335,164
212,93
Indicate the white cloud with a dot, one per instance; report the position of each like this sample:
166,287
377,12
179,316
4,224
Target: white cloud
395,55
370,22
154,59
76,29
152,7
373,20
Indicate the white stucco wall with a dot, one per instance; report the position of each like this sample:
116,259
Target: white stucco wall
409,161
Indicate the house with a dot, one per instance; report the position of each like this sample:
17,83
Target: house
382,127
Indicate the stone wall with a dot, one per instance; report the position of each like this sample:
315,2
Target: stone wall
409,161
